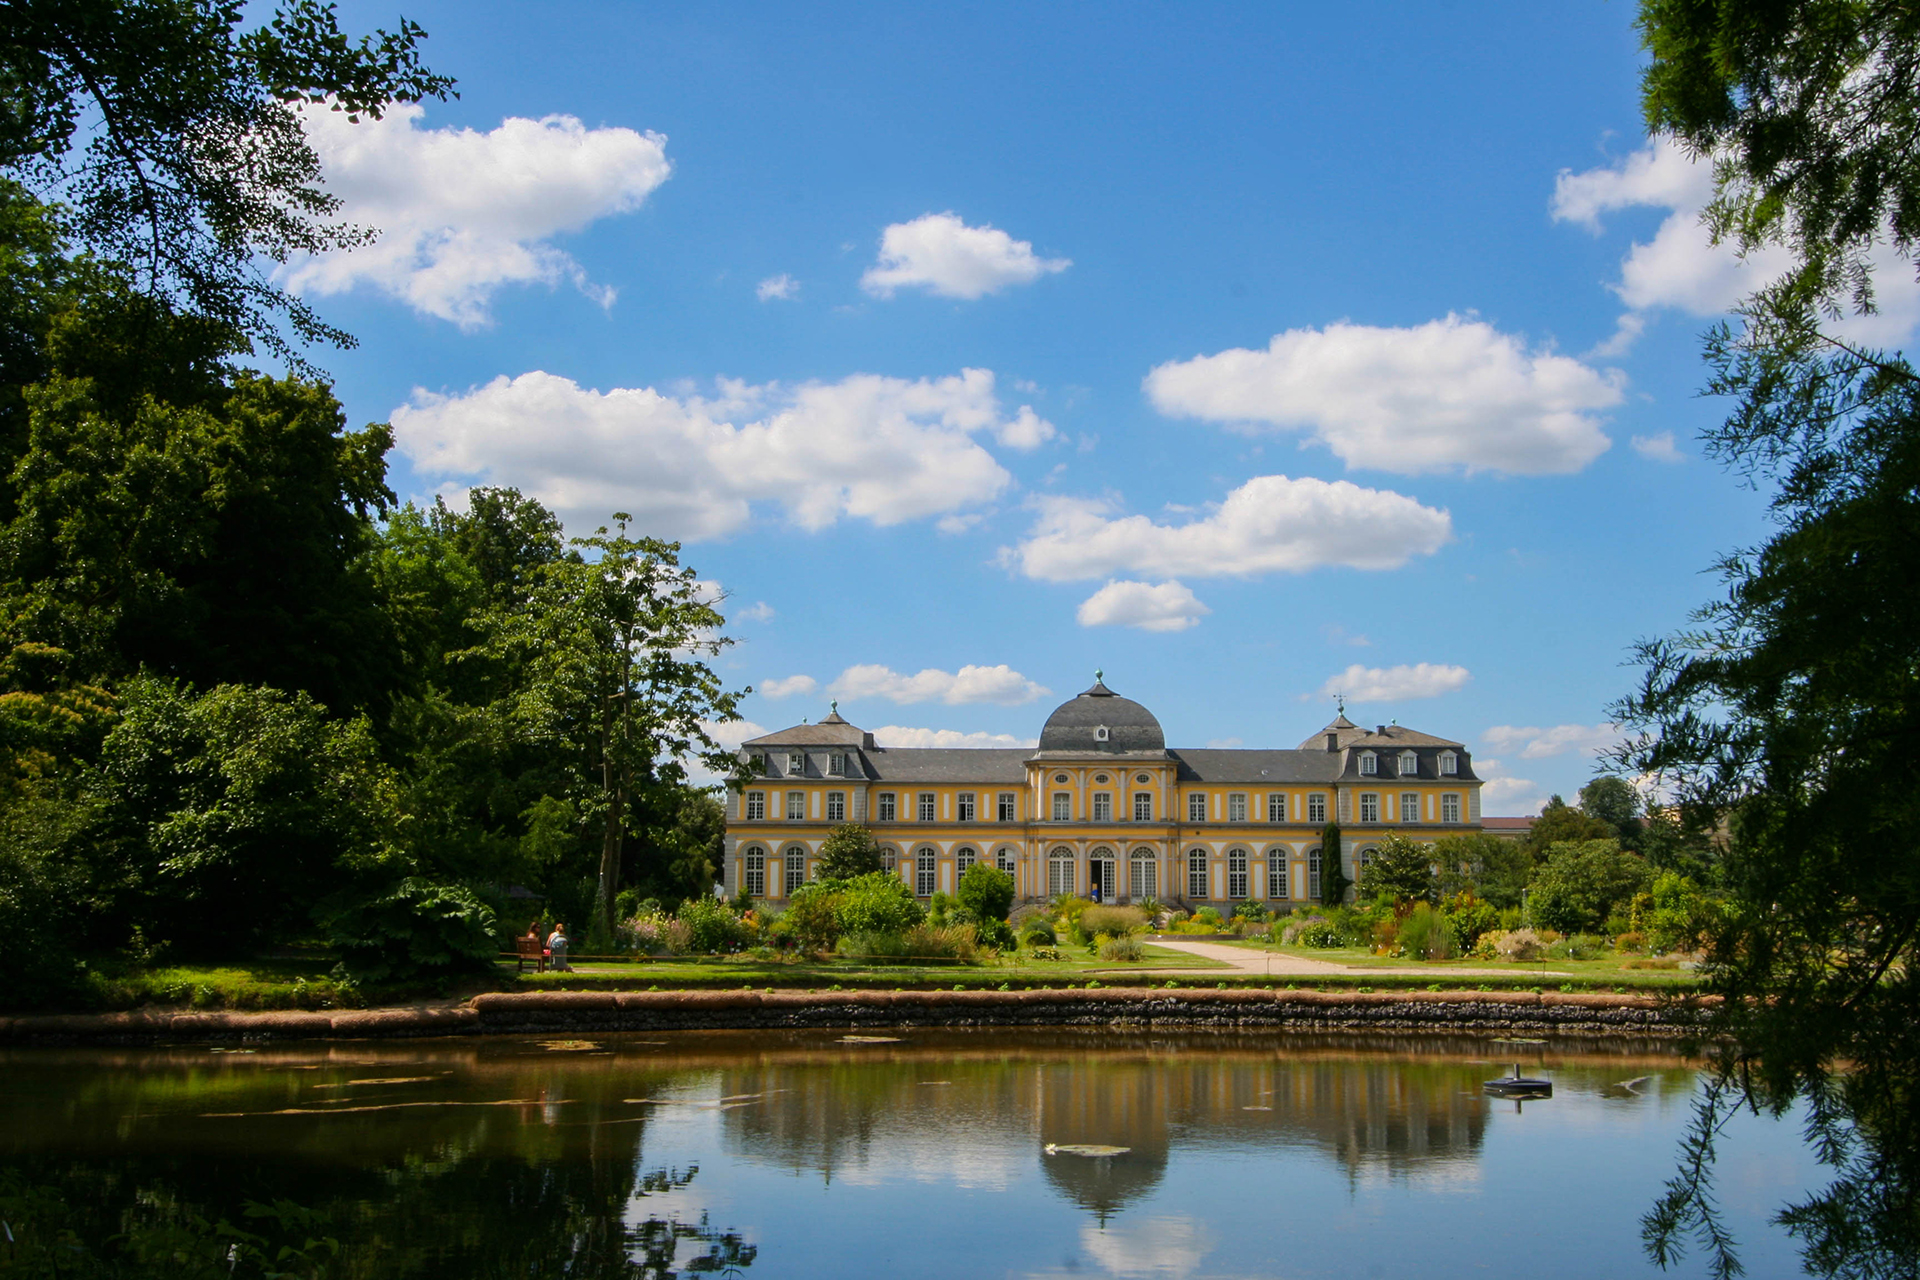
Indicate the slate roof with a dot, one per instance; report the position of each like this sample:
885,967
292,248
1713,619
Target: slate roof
987,765
1255,767
1131,728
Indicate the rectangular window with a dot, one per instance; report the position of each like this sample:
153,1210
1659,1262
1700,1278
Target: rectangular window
836,765
1317,807
756,873
796,764
1409,806
1313,873
756,806
1060,874
1008,806
796,869
923,872
1277,873
1449,764
1277,807
888,810
836,806
1236,873
1369,763
963,807
1237,808
796,806
1369,806
1003,858
1103,806
1196,874
1143,806
1062,806
1197,807
1449,808
926,806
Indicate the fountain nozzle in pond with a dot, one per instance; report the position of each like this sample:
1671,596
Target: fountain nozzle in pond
1516,1085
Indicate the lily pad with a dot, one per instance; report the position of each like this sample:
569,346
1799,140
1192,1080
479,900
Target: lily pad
1092,1150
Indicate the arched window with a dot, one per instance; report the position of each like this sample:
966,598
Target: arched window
923,869
1236,873
1409,764
1143,873
796,867
1369,763
756,885
1003,858
1313,874
1060,871
963,857
1197,874
890,859
1277,872
1362,858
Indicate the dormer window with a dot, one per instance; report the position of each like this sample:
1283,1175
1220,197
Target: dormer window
1369,763
796,763
1100,733
1449,764
837,764
1409,764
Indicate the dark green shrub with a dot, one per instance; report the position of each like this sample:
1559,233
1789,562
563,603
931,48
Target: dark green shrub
987,892
849,852
1322,934
1424,935
1251,910
996,934
1038,933
711,925
1208,916
812,917
1583,882
1469,920
877,903
415,929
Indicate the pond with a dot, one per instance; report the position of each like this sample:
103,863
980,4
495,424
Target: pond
929,1154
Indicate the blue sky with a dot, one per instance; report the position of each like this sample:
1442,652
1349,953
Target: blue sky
1249,352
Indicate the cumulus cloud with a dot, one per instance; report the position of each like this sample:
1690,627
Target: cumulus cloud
787,686
945,256
1502,793
758,611
896,735
1658,448
1681,267
1452,394
463,213
1165,606
881,449
778,288
1269,524
1000,684
1164,1248
731,733
1392,684
1536,743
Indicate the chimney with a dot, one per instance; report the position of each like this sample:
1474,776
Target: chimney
1333,742
1383,731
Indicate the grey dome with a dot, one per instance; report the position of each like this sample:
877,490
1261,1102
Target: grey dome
1075,725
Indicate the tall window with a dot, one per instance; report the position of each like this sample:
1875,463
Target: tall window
1313,873
1143,806
837,764
1008,806
963,807
1369,806
1062,806
923,871
756,806
1450,808
796,763
888,807
890,859
1277,806
1144,878
1197,807
1236,873
1277,872
1003,858
1060,871
1449,764
1103,806
1237,808
1369,763
796,806
963,857
756,885
1196,873
836,806
796,868
1409,806
1317,807
925,802
1409,764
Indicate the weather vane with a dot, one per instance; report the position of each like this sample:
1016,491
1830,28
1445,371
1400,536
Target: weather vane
1339,704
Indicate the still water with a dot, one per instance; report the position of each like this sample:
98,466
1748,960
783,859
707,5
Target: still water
801,1154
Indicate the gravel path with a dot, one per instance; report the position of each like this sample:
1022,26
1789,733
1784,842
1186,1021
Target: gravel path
1281,965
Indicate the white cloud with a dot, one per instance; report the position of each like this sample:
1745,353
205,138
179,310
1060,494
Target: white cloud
1269,524
1166,606
1392,684
880,449
462,213
730,734
1536,743
758,611
1000,684
778,288
1165,1248
1449,394
1683,269
787,686
1503,794
894,735
1659,448
946,256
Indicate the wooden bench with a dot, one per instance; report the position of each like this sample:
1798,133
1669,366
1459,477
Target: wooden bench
530,950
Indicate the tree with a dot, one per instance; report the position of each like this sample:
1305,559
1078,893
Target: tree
1496,870
1614,801
986,891
1400,870
1333,871
848,851
196,167
1559,822
1583,882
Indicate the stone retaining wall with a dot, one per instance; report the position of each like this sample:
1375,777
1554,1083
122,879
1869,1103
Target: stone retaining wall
549,1012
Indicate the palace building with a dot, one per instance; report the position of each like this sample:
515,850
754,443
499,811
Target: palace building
1102,803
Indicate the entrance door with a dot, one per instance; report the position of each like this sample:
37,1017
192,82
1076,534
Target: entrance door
1102,877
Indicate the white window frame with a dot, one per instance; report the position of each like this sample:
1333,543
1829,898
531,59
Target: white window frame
796,764
836,806
796,801
1450,807
1236,873
1369,764
1197,806
1143,806
890,859
1276,806
1317,807
1313,874
756,877
1008,803
756,806
963,857
1063,806
964,805
1237,807
925,806
1004,858
837,764
1062,872
796,867
1277,886
1409,806
887,808
1370,806
1409,764
1197,874
1103,806
925,869
1449,764
1143,873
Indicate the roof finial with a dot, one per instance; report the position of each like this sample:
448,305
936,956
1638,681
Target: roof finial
1098,675
834,706
1340,704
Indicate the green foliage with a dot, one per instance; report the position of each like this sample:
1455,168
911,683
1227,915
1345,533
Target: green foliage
1112,921
1614,801
1680,917
1582,883
987,892
1124,950
412,930
877,903
1321,934
1399,870
1333,867
1209,916
995,933
1562,823
1423,934
812,917
1252,910
1037,933
1468,920
849,851
712,927
1493,869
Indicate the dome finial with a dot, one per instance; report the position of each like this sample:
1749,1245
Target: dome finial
834,706
1098,675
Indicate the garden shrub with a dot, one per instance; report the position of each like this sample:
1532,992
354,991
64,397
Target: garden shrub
1517,944
1208,916
1038,933
1068,906
1046,953
1632,942
812,917
1251,910
1424,934
415,929
1680,916
996,934
877,903
1581,946
1113,921
943,942
1469,919
1151,908
1176,919
1126,950
987,892
878,946
1583,882
711,925
1031,911
1320,933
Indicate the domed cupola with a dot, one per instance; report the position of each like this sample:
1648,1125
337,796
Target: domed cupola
1100,721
